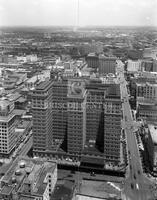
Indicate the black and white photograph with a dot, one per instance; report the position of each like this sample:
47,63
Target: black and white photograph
78,99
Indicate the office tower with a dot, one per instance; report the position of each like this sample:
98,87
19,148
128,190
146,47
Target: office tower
59,109
7,127
107,65
93,60
94,110
42,117
76,116
112,125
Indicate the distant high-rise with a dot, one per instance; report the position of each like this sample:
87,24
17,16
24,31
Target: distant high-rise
92,60
107,65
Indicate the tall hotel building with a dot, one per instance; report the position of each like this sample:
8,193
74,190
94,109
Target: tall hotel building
42,118
76,116
80,111
112,125
94,111
59,109
7,127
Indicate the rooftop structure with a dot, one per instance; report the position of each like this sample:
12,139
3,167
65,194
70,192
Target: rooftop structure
29,178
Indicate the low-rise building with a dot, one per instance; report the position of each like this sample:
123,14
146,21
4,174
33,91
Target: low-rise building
29,179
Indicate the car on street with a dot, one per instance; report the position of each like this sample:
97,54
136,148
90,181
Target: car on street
134,176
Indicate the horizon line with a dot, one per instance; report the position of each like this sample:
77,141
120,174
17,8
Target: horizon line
80,26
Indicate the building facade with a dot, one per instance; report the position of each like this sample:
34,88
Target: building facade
107,65
94,111
151,143
59,108
92,60
147,90
7,128
147,111
42,117
112,125
76,136
77,117
134,66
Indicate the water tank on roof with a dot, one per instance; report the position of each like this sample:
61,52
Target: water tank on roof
28,171
18,172
13,180
22,164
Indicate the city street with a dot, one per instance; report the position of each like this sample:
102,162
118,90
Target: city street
136,186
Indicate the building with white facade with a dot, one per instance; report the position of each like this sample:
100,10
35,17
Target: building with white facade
134,66
7,127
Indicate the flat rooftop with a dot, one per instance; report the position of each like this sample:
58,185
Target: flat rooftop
36,170
43,85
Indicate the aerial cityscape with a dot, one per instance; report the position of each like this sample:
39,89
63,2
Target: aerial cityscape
78,100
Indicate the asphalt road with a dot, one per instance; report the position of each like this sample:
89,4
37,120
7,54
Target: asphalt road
136,186
26,147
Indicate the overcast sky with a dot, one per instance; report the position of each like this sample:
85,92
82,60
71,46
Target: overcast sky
91,12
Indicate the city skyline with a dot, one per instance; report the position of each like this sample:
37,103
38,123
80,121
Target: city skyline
65,13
